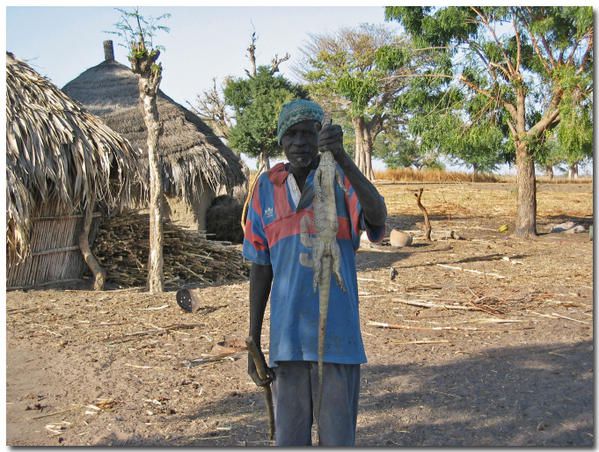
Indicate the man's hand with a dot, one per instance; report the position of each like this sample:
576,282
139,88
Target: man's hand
253,373
331,139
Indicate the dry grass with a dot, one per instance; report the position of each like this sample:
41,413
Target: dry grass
485,200
433,175
563,180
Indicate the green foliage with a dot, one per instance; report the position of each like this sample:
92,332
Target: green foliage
256,102
575,130
499,53
397,150
138,32
353,69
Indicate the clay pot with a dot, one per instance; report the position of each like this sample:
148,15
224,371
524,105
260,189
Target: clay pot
399,239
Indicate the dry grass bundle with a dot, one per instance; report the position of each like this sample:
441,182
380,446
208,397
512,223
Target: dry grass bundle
433,175
122,243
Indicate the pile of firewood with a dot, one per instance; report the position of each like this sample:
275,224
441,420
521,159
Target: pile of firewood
122,248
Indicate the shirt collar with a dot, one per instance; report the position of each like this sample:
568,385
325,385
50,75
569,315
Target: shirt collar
278,173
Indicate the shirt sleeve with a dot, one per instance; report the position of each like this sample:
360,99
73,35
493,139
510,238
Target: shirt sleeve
255,245
356,217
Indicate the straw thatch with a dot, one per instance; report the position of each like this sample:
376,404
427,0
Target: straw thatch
59,157
194,158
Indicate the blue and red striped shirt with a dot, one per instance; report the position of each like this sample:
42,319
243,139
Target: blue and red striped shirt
273,237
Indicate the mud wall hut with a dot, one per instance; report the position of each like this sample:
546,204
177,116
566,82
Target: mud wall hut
62,165
197,165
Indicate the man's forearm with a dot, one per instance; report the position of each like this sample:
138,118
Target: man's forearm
260,284
375,211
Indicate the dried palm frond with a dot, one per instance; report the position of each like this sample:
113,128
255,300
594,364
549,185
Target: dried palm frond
58,154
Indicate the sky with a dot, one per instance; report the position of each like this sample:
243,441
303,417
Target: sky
204,42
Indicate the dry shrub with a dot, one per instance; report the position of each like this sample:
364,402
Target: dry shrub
433,175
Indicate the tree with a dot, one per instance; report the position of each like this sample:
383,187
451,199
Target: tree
528,76
574,134
398,150
211,108
256,102
139,33
357,71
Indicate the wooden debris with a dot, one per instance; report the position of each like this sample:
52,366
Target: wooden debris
41,416
427,223
154,308
451,267
428,304
156,330
206,358
57,428
409,327
555,315
105,404
121,247
423,342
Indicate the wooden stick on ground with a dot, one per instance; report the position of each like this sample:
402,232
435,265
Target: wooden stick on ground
397,326
427,223
451,267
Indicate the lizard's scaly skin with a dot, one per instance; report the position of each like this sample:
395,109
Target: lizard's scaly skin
326,255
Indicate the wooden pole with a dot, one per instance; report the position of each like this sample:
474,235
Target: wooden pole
427,223
91,261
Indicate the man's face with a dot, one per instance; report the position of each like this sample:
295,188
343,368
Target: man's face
300,143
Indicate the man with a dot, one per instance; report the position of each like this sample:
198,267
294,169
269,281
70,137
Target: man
273,243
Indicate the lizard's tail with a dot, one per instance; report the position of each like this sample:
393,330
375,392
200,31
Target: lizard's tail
323,298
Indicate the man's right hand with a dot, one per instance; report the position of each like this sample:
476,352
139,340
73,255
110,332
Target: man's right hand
253,373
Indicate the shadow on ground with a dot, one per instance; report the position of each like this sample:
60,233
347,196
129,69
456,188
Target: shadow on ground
517,396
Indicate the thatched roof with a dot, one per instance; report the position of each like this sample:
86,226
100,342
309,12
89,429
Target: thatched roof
193,156
57,154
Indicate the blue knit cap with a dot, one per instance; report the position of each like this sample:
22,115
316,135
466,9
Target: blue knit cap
297,111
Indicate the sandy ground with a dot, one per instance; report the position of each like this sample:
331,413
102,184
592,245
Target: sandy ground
492,345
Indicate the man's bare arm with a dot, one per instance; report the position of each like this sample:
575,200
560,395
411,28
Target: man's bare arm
260,285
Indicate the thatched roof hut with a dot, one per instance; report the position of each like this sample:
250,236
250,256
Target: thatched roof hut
196,163
60,160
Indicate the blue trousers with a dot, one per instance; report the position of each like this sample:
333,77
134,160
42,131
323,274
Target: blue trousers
295,394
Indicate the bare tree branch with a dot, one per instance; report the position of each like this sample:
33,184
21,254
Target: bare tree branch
535,45
252,56
276,62
518,45
211,108
475,87
485,21
550,115
587,53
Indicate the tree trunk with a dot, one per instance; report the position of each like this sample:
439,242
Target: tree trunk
364,144
264,161
97,271
150,111
549,171
573,171
526,217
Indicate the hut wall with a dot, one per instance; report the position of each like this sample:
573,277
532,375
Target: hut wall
190,216
55,254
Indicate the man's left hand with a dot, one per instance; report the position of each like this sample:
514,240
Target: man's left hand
331,139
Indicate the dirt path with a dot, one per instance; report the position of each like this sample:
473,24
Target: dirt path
501,355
